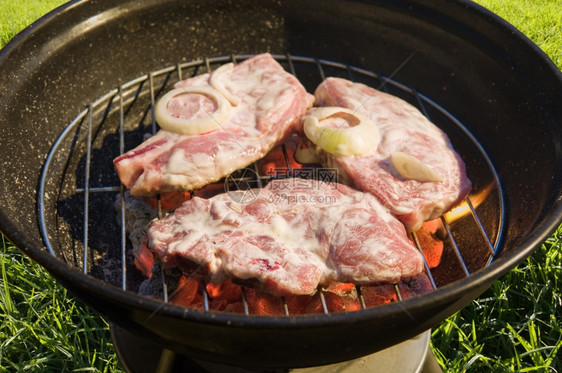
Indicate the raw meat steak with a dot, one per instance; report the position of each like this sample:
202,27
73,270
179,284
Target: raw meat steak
296,234
266,104
401,129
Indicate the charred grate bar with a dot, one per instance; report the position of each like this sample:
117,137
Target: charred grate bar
128,111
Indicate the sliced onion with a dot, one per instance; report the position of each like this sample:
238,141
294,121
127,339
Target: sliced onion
306,155
360,139
218,84
186,126
412,168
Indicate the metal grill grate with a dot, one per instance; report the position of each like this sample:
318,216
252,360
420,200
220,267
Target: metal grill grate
125,112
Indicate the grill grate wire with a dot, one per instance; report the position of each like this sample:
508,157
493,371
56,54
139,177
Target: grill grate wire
118,96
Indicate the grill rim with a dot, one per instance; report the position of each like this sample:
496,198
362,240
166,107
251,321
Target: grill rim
113,95
445,294
541,229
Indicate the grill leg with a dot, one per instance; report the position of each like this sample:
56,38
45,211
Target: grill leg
430,364
166,363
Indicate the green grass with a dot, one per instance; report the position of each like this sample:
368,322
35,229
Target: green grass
17,14
540,20
513,327
42,327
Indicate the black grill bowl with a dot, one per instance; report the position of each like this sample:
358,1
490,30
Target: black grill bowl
488,75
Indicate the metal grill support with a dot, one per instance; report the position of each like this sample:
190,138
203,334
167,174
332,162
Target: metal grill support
122,95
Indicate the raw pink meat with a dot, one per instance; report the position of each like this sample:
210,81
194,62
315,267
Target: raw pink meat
272,101
402,128
297,234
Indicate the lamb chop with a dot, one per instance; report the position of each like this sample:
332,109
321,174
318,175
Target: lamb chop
382,145
296,235
214,124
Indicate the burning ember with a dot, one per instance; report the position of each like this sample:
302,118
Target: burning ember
464,208
339,297
431,245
